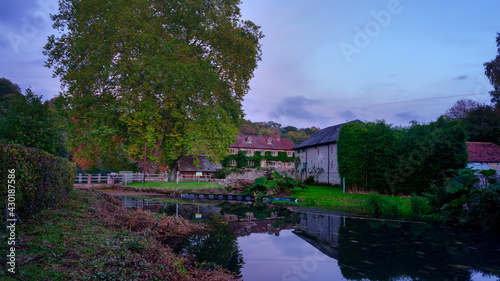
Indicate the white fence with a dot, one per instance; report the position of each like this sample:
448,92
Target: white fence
207,178
122,177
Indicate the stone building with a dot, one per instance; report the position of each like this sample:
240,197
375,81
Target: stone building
261,145
318,156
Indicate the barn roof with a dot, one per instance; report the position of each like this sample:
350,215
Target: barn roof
325,136
483,152
186,164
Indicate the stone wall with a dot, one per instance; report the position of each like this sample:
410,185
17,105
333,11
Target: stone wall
250,174
320,157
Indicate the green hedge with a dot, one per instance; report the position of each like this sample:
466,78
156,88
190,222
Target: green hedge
41,179
397,160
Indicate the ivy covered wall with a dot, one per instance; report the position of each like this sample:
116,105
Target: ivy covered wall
242,160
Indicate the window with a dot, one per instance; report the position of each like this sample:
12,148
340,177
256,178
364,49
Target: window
268,141
233,162
249,140
271,163
289,153
304,166
233,151
249,152
274,152
231,217
251,163
262,152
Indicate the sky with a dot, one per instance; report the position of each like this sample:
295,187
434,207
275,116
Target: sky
324,62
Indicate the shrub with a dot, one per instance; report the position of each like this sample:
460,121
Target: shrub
379,206
310,180
40,178
278,185
459,201
419,206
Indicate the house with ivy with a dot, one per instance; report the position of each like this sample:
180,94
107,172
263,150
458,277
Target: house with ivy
317,156
261,152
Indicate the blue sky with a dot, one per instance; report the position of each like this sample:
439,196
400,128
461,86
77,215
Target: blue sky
324,62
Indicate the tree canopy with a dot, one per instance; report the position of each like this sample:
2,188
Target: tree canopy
378,157
462,108
492,70
270,128
29,122
8,92
168,74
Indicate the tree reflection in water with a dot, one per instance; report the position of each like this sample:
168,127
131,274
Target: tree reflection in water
216,247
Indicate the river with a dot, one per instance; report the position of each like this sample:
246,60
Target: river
268,243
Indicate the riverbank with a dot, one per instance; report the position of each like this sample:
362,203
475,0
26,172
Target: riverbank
332,198
89,236
329,198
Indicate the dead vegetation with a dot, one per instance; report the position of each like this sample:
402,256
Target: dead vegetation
90,236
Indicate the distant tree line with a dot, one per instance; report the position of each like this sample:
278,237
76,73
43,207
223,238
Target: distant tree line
26,120
270,128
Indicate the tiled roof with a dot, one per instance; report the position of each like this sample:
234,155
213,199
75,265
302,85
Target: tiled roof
186,164
327,135
483,152
264,143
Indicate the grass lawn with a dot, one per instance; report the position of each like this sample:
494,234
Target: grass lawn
175,186
332,198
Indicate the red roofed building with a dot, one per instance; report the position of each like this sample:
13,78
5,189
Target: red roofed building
484,154
251,144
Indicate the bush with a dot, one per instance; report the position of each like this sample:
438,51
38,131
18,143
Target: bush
310,181
40,179
379,206
278,185
459,201
419,206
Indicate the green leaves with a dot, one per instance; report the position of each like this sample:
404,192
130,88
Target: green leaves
40,179
169,74
29,122
278,185
378,157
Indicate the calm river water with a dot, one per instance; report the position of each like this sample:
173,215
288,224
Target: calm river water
262,243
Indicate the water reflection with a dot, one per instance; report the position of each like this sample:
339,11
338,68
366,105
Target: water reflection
383,250
276,244
218,247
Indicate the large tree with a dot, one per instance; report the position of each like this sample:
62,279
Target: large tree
492,70
168,74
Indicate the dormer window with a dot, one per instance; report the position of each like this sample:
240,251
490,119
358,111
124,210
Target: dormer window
249,139
269,141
